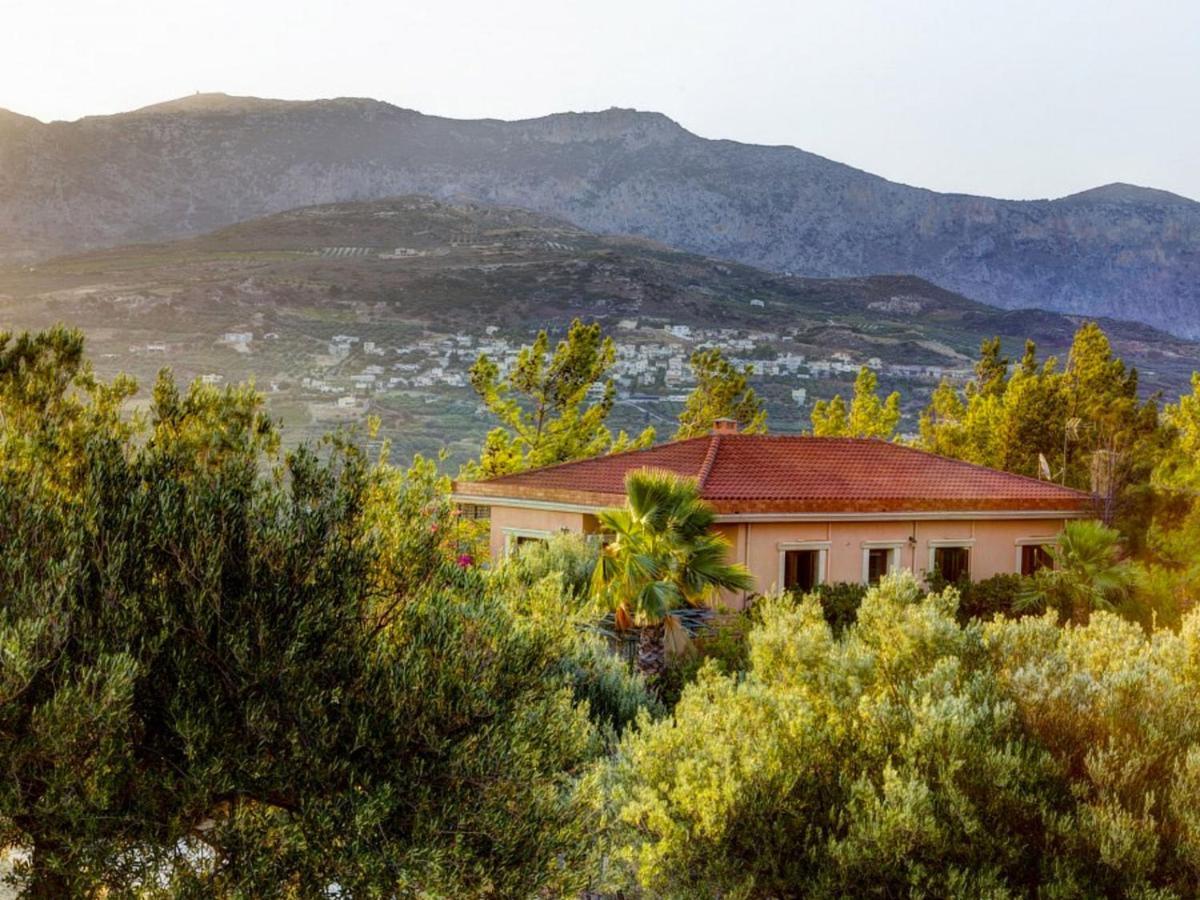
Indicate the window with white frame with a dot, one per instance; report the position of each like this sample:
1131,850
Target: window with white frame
1033,554
880,558
950,559
515,537
802,565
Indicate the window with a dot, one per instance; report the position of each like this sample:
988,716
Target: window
880,558
952,563
514,538
880,561
1034,557
801,570
474,511
802,565
950,559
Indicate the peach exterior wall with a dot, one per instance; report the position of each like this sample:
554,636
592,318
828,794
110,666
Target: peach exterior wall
506,518
993,551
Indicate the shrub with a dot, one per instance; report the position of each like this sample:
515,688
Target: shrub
615,695
918,756
839,603
230,672
722,643
998,595
568,556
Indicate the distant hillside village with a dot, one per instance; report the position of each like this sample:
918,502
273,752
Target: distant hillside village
651,367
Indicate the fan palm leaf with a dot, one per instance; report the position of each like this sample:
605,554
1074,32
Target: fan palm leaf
662,556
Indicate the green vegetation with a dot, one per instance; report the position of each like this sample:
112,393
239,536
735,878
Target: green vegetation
228,669
1081,425
542,407
722,392
1087,573
867,416
915,756
230,672
663,555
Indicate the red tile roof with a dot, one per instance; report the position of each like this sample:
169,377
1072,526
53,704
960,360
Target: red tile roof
741,473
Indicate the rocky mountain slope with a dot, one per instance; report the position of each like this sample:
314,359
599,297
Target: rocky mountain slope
378,308
191,165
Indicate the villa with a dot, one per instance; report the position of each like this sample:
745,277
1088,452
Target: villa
799,511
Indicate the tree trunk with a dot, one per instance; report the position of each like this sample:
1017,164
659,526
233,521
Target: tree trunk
651,653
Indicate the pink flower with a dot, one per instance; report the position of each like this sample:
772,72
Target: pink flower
433,528
465,561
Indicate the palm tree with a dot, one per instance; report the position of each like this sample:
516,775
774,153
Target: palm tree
1088,572
663,556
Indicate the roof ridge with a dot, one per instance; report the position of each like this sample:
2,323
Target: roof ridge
592,459
710,459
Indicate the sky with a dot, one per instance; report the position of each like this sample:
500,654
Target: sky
1007,98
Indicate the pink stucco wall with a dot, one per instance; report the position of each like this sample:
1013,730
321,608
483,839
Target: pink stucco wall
508,520
993,542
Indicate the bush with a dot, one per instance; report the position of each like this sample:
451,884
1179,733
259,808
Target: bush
998,595
839,603
568,556
722,644
918,756
230,672
615,695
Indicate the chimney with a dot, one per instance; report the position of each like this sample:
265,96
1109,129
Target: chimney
725,426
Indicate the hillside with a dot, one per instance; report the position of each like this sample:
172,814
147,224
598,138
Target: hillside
379,307
188,166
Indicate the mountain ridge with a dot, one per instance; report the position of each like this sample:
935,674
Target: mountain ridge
201,162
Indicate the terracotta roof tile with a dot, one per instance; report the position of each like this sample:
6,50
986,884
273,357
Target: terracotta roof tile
786,473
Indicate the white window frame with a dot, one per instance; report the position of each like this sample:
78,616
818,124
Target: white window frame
894,564
512,534
967,544
1022,543
822,548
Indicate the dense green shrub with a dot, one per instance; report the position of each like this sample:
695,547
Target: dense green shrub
569,556
615,694
229,672
918,756
995,596
722,644
839,603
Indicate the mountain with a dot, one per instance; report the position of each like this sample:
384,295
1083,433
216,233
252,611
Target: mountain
380,307
198,163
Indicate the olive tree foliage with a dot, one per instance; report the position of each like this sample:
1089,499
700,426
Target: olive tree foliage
866,416
542,404
549,582
722,391
917,756
226,671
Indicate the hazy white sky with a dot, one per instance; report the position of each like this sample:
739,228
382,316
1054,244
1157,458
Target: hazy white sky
1012,98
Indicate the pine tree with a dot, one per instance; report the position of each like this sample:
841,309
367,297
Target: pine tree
542,404
722,392
868,415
